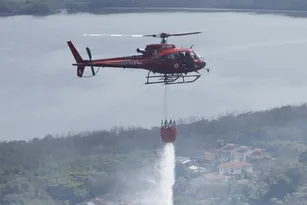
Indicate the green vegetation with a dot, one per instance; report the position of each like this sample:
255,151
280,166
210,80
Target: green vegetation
45,7
79,167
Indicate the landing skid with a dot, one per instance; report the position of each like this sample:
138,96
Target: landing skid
168,79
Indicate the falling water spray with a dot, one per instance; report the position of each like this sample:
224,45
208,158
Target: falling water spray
167,174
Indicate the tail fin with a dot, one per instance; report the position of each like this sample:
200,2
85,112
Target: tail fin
80,62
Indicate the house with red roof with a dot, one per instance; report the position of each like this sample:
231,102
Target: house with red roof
235,167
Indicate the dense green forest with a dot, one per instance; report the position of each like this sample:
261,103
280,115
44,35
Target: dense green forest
81,166
45,7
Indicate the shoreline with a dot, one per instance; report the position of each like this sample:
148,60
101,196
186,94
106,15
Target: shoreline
124,10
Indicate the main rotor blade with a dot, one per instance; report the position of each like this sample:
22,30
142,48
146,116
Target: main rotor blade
165,35
184,34
157,35
110,35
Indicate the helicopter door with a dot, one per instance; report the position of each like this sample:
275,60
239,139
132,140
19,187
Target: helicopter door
195,59
186,59
177,61
181,56
171,61
171,57
189,60
182,59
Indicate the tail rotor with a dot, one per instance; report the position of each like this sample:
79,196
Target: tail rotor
80,63
89,53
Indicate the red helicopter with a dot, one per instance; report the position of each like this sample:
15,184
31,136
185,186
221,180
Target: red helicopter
170,62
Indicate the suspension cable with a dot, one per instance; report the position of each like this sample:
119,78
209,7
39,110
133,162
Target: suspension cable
165,102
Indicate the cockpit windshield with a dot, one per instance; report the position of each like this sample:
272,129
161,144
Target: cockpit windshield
194,55
198,56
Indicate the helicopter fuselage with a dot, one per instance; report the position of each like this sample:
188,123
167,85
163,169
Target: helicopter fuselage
158,58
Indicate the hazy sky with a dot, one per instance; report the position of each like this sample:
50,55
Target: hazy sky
257,62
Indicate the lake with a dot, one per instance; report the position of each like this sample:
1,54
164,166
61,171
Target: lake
257,62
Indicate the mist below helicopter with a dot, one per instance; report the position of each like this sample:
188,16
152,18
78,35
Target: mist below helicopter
257,62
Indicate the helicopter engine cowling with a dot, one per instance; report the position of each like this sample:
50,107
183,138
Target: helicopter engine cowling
141,51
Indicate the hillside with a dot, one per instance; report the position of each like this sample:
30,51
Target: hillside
71,169
45,7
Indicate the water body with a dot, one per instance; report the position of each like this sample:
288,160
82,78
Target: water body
257,62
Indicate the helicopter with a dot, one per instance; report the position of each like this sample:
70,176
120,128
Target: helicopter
165,62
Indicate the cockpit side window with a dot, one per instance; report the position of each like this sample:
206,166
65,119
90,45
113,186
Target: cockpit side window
171,57
182,54
155,52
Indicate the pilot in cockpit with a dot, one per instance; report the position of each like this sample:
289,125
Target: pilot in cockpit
188,60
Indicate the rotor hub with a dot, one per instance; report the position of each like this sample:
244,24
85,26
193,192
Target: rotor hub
163,35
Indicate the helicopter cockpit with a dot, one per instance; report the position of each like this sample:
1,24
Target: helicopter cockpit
190,59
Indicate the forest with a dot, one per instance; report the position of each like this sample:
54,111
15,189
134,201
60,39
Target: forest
47,7
78,167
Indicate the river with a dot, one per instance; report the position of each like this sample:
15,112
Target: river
257,62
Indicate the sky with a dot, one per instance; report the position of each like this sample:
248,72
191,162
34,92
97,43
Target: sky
257,62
